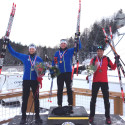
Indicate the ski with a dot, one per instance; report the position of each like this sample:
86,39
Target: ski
76,45
113,47
118,63
77,35
7,34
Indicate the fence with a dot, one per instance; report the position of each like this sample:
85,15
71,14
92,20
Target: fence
81,97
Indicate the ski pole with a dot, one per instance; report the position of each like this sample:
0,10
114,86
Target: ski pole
50,93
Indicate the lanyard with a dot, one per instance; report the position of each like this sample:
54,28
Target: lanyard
100,62
32,62
62,54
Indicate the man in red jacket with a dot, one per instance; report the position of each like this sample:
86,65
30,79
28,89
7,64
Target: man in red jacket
100,80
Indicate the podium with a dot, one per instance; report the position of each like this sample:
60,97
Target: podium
78,117
99,119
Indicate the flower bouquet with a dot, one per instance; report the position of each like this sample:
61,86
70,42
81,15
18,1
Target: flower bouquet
40,70
91,69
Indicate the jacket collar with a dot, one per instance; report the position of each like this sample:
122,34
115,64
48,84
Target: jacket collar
63,49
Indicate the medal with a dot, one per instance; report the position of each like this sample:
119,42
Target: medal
61,55
32,69
100,63
32,63
100,70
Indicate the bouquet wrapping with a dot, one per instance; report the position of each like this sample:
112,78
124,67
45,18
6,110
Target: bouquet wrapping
40,70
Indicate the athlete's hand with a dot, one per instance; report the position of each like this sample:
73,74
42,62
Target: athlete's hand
117,57
7,41
106,40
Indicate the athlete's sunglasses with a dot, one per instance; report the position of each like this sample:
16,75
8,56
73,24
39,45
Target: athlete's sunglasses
100,47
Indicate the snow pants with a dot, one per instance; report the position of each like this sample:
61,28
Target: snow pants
105,90
64,77
26,91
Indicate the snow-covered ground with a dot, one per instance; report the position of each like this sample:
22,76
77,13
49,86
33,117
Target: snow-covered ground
9,112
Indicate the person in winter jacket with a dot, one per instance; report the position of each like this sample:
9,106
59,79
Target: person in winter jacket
100,80
29,80
64,62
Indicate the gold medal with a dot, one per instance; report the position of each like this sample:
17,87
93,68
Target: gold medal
61,55
32,69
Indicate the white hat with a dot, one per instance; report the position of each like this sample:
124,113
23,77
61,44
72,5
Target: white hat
63,41
32,46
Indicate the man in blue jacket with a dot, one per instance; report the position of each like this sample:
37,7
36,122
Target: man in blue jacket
29,80
64,62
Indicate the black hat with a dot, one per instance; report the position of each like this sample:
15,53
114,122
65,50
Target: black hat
100,47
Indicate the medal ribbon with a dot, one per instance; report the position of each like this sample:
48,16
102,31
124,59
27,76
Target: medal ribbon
100,61
32,64
62,54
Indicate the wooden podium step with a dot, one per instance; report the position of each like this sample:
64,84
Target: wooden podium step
78,117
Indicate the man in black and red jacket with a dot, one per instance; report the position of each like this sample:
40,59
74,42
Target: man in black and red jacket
100,80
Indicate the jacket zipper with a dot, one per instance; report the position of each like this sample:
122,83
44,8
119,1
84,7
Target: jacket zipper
64,64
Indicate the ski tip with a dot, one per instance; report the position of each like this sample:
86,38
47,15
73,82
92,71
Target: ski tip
14,5
50,101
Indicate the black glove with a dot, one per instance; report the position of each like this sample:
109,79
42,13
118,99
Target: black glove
7,41
1,40
76,38
52,73
77,34
106,40
117,57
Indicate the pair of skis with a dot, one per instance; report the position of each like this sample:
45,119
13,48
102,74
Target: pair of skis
117,57
76,46
7,34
